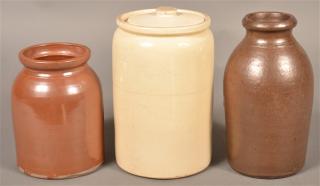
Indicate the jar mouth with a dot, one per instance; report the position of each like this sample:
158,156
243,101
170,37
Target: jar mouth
54,56
269,21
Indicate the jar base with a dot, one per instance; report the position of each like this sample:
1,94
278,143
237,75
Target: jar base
164,178
73,175
267,177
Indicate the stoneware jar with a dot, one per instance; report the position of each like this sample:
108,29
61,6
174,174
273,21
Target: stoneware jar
268,92
57,112
162,86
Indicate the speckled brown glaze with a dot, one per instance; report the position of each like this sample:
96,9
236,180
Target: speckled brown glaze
57,112
268,92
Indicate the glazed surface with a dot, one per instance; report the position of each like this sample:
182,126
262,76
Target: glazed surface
162,88
268,90
58,120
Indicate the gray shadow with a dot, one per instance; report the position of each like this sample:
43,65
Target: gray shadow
219,150
109,140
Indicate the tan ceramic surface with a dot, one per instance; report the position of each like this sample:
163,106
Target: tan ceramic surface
162,88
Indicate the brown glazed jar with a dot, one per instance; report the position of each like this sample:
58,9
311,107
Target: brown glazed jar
268,92
57,112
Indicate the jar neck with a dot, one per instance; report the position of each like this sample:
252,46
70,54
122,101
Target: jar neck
54,56
60,73
267,38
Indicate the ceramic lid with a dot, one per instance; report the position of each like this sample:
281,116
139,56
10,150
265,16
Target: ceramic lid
163,21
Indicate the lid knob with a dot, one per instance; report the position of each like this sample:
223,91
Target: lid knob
166,10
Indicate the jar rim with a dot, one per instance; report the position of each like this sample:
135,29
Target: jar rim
54,55
269,21
122,22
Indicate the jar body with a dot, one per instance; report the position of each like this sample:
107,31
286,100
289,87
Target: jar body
268,92
58,122
162,88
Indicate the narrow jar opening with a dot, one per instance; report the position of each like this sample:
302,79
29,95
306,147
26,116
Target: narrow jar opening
269,21
54,56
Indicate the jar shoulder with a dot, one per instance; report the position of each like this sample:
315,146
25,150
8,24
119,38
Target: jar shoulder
72,82
271,62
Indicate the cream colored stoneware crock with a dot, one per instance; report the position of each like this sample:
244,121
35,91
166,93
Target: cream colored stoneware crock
162,88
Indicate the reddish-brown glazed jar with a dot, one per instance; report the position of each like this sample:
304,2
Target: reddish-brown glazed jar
57,112
268,92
